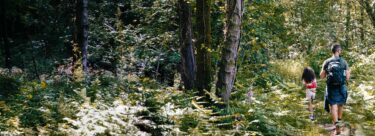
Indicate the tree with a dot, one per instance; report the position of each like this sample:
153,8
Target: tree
4,36
362,29
203,46
347,23
227,70
81,37
366,4
186,46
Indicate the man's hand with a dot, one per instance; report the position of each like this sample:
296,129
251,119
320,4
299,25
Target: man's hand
347,73
323,74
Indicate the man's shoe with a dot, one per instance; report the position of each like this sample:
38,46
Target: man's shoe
339,122
338,131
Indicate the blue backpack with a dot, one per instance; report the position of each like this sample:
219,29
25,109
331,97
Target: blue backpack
335,72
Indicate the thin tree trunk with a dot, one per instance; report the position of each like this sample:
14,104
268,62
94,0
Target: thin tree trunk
362,29
120,48
36,72
227,70
81,37
7,54
186,46
347,24
203,46
4,37
370,10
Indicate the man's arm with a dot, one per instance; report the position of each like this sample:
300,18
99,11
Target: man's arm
347,73
323,73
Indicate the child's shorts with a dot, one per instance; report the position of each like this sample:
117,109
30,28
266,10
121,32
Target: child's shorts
310,94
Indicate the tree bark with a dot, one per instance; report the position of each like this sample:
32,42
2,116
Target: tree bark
4,37
227,70
7,53
186,46
203,46
366,4
81,36
362,29
347,24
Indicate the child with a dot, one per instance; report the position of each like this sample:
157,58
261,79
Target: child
308,79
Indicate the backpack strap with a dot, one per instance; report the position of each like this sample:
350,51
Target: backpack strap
331,61
341,62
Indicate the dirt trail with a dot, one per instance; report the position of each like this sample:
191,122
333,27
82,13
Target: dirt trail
346,130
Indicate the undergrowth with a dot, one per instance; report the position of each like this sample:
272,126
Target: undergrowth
269,103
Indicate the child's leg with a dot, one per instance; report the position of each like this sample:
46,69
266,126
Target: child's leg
311,108
310,97
312,101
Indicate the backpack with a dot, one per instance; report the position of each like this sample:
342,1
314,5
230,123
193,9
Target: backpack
335,73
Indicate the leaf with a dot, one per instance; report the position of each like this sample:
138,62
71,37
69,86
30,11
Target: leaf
43,84
200,107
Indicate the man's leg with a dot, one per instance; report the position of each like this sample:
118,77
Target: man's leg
334,110
340,111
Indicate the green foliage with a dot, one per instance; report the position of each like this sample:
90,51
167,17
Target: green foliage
189,121
264,32
134,55
8,86
266,80
105,133
315,60
32,117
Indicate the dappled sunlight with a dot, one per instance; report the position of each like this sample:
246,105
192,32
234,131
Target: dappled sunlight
185,67
97,118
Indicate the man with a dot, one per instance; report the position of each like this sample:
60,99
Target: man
337,71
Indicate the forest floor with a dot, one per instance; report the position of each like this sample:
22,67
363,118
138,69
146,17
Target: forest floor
141,106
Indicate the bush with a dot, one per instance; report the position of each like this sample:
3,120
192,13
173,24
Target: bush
32,117
267,80
316,59
8,86
290,70
188,121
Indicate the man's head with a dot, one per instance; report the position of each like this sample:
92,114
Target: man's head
336,48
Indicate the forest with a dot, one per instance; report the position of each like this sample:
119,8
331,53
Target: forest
181,67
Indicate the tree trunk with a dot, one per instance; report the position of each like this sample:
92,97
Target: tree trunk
81,37
203,46
227,71
7,57
186,46
362,29
36,72
4,37
347,24
370,10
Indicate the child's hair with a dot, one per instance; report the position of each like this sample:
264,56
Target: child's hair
308,75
